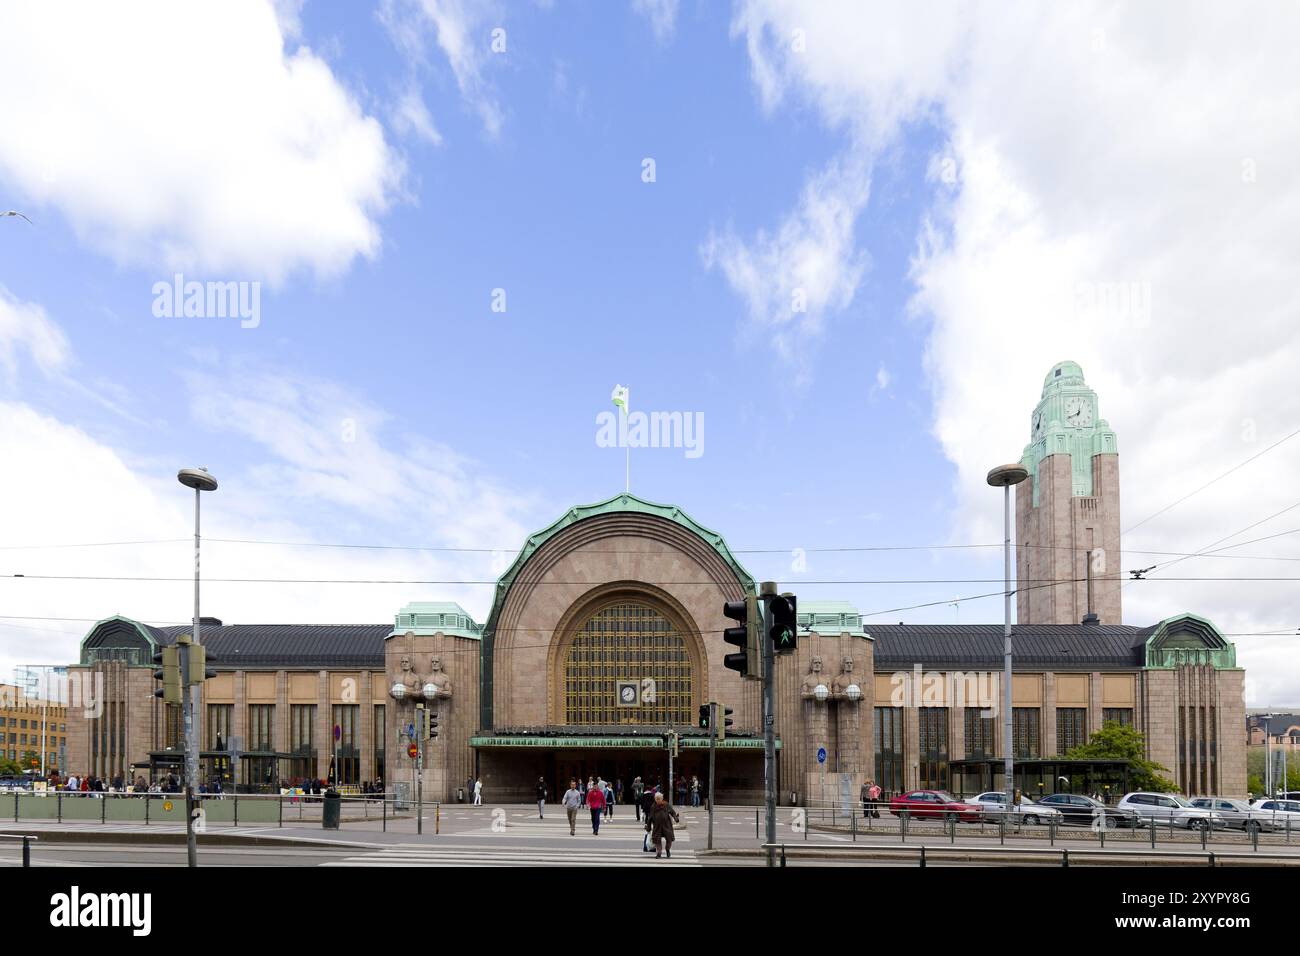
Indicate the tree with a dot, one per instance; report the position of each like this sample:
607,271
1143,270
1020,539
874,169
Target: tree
1116,741
9,768
31,760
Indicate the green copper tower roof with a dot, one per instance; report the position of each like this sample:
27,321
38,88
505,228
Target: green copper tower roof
1067,421
619,504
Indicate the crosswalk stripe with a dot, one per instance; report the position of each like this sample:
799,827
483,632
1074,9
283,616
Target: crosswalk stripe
453,856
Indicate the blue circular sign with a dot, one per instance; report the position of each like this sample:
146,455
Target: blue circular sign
821,754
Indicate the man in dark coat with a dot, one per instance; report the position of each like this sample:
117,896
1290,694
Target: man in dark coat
662,817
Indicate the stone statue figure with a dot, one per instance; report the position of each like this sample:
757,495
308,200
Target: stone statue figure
813,679
845,678
438,677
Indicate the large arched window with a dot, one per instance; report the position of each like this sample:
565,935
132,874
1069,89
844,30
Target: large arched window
627,641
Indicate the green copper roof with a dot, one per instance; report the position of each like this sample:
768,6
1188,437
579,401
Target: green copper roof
430,617
830,617
1067,420
1188,639
619,504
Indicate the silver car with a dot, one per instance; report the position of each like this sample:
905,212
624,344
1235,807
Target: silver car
1279,814
1170,809
994,803
1236,814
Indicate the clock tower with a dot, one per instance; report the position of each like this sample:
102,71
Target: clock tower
1067,513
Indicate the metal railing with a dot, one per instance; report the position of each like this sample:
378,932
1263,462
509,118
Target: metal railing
1064,855
27,839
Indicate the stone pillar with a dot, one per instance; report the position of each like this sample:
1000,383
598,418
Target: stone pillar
366,725
324,725
280,723
1094,703
239,722
1049,716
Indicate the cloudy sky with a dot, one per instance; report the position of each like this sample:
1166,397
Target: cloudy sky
468,220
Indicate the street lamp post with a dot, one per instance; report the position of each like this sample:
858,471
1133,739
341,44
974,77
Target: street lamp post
200,481
1004,476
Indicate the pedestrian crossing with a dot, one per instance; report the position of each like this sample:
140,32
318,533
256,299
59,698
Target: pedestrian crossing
621,854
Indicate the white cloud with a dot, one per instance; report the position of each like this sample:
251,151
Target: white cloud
230,155
662,15
25,325
298,477
1096,147
791,278
410,117
463,30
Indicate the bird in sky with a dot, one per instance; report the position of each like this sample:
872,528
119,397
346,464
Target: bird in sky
13,213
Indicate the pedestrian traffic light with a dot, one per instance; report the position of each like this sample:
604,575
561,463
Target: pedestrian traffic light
783,628
704,716
169,674
748,661
432,730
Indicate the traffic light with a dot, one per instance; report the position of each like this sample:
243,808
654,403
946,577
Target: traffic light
724,721
432,730
170,674
199,669
748,661
783,628
704,716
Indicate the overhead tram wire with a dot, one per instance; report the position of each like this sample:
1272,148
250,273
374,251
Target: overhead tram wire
1212,481
1168,564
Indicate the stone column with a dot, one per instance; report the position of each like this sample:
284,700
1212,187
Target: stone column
324,725
239,721
1049,715
366,725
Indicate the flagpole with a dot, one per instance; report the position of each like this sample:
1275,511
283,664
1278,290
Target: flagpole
627,473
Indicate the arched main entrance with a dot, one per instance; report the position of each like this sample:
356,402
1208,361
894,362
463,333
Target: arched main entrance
627,641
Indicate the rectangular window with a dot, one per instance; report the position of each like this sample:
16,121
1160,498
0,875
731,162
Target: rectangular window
347,720
889,749
1118,715
1024,732
1071,728
381,735
261,721
933,741
220,718
979,734
302,737
22,724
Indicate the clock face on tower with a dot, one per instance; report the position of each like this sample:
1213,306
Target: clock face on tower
1036,427
1078,412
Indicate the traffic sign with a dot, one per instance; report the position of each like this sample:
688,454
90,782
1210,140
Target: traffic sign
413,751
821,754
338,731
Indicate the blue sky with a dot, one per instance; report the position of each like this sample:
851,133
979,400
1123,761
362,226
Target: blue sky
393,169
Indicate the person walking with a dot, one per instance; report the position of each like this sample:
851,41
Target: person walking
873,798
478,793
596,804
609,800
647,805
662,817
541,797
572,803
695,791
638,789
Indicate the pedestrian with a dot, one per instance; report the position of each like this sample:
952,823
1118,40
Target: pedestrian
873,797
478,793
609,800
572,802
661,825
469,788
541,797
638,788
695,791
596,804
647,804
681,790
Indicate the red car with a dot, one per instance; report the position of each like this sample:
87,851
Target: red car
935,804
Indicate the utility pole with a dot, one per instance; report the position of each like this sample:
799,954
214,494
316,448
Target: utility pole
420,731
672,746
713,749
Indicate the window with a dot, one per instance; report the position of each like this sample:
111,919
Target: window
381,735
261,724
22,724
220,717
1071,728
1118,715
933,741
628,641
980,733
889,749
302,727
346,718
1024,732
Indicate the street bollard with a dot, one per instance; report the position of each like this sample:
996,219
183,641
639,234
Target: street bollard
15,806
1205,835
902,826
853,825
923,856
1211,860
1051,831
1065,857
27,851
1153,835
755,824
385,813
1002,830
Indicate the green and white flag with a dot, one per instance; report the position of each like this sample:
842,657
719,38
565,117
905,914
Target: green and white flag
620,397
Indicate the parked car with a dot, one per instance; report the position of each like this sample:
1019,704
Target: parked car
1082,811
1170,809
994,803
1280,814
1236,814
934,804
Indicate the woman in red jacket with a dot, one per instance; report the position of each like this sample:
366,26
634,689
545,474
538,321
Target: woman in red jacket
596,804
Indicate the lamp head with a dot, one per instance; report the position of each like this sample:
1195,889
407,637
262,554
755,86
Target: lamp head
196,478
